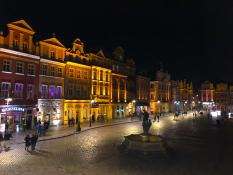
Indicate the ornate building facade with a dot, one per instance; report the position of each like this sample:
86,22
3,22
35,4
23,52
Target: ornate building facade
47,80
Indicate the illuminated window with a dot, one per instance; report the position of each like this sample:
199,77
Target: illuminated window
94,90
19,67
31,69
106,90
101,75
78,74
7,65
52,54
84,75
18,90
30,91
101,90
5,89
59,92
59,72
51,91
95,75
71,73
44,91
106,76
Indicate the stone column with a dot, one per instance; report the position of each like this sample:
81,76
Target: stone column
11,38
21,41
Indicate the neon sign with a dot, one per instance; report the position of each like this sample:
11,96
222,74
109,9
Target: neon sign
18,109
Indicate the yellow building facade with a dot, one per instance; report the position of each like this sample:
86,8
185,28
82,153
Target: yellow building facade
51,80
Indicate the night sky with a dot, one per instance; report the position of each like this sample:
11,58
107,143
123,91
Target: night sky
193,39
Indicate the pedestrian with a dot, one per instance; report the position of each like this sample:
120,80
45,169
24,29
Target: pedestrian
33,142
158,118
195,115
155,117
27,140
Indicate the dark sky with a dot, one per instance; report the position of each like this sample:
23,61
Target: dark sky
193,39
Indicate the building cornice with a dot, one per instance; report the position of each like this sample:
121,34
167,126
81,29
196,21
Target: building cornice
19,53
52,62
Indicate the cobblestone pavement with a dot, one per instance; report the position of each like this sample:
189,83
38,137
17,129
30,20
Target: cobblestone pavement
196,147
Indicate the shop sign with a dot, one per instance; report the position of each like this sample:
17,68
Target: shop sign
2,127
17,109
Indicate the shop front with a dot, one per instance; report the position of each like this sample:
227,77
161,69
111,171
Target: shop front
15,117
120,110
76,109
51,110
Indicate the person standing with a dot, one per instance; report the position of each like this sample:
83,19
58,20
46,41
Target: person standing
27,140
33,142
158,118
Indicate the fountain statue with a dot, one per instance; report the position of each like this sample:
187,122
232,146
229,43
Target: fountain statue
145,143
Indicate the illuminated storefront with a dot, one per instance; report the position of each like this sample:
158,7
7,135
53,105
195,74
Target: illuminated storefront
17,116
51,110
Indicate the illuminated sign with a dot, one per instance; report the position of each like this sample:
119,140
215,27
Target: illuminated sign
17,109
2,127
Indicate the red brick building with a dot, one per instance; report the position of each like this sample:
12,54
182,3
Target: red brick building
19,73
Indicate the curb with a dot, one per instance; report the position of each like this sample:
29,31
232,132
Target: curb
75,132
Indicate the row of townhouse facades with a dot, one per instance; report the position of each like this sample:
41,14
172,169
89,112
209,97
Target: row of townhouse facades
216,97
168,95
46,80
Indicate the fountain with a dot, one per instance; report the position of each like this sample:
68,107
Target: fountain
145,143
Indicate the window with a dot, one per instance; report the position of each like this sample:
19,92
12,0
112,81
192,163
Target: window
101,75
78,91
52,54
71,73
5,89
70,91
101,90
94,90
25,46
152,97
84,91
44,69
30,91
18,90
106,90
78,74
84,75
15,43
51,91
19,67
44,91
59,72
52,71
59,92
7,65
95,75
31,69
106,76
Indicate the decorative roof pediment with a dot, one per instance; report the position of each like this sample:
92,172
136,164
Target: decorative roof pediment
54,41
101,53
21,24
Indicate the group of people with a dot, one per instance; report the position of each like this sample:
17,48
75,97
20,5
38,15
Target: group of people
30,141
41,128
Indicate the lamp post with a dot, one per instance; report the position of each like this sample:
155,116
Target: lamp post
159,106
92,101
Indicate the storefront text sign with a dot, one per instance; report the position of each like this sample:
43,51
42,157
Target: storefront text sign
17,109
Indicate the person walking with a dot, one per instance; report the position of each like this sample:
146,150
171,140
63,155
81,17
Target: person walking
158,118
33,142
27,140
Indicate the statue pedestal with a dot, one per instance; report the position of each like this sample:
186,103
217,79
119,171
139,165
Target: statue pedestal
146,144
